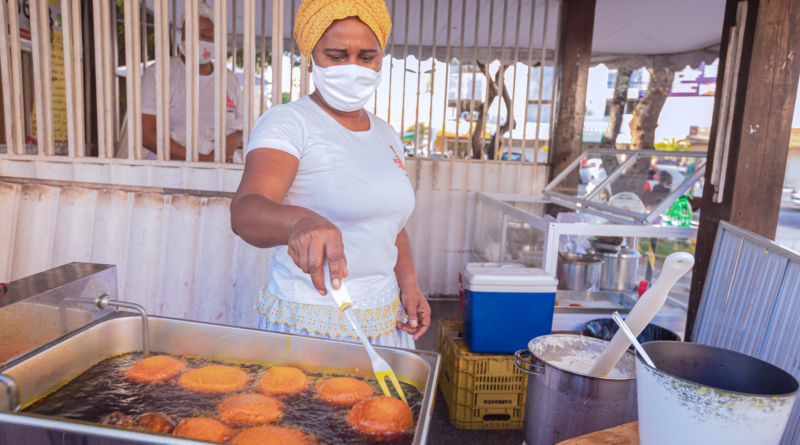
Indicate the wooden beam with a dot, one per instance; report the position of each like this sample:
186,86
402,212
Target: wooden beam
576,24
749,144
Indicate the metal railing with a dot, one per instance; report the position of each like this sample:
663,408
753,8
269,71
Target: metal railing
498,44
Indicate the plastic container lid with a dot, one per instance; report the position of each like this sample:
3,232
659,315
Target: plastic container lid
496,277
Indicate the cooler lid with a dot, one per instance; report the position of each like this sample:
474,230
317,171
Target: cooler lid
507,277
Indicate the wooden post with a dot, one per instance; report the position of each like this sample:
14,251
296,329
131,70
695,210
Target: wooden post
576,24
753,108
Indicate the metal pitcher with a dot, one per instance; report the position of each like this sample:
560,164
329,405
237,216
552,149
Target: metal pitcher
620,271
562,404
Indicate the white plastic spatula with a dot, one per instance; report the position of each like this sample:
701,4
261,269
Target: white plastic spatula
675,266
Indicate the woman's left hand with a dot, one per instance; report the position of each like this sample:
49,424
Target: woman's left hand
419,312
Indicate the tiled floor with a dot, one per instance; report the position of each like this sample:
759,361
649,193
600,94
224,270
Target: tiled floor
441,432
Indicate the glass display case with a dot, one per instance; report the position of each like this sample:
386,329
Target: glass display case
602,226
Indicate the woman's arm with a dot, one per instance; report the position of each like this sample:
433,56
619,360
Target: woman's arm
177,152
259,216
419,311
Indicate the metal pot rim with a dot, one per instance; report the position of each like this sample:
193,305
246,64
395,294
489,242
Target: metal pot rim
624,254
584,338
580,258
640,361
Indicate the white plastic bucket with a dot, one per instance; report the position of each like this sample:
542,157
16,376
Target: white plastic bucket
702,395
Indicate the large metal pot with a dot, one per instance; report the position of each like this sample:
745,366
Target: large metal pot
562,403
620,271
578,271
701,394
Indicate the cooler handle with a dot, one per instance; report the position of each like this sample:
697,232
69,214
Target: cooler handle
523,360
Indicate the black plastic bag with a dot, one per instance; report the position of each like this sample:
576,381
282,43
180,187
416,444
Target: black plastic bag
605,328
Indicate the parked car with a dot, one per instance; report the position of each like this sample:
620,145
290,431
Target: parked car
796,197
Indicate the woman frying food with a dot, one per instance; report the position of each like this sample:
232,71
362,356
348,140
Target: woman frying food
324,181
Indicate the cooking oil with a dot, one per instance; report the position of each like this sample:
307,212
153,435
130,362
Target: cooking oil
103,389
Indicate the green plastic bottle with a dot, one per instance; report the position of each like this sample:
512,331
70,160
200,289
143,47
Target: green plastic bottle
679,213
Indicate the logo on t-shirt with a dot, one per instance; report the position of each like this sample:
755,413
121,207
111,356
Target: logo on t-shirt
229,104
397,160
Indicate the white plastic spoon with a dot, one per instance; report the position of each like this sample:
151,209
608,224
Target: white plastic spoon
624,328
675,266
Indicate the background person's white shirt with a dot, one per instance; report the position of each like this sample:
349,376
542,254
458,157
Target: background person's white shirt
355,179
177,104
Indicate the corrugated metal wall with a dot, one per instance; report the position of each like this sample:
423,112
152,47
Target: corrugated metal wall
442,219
751,303
177,256
175,253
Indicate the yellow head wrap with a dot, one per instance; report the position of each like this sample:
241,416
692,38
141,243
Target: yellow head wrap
315,16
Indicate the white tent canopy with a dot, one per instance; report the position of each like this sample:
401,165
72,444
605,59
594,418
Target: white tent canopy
655,33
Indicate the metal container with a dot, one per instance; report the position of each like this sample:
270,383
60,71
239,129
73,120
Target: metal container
38,375
34,374
578,271
702,394
620,271
562,403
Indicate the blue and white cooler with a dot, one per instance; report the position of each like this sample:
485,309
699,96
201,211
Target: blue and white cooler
506,305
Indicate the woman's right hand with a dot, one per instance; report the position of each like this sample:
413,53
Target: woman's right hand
313,240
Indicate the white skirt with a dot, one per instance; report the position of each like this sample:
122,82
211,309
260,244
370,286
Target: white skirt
325,321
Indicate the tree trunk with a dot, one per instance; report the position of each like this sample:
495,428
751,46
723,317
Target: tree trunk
643,129
496,144
617,107
476,138
645,115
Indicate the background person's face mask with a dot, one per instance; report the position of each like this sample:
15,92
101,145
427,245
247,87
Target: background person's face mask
345,87
205,51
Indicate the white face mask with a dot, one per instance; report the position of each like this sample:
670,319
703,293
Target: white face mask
205,51
345,87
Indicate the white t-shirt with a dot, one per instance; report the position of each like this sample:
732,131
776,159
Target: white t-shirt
177,104
355,179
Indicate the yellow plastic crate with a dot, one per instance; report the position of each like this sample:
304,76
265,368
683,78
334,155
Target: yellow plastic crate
482,391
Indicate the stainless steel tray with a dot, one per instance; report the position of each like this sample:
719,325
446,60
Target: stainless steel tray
41,373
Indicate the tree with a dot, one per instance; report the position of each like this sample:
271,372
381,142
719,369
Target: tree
645,115
421,128
617,107
643,128
476,138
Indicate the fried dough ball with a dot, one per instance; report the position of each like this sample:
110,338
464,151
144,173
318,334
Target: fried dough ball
344,391
214,379
119,419
155,422
282,380
202,428
250,409
156,368
381,416
270,435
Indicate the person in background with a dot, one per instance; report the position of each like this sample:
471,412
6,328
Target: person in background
177,100
664,183
659,191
